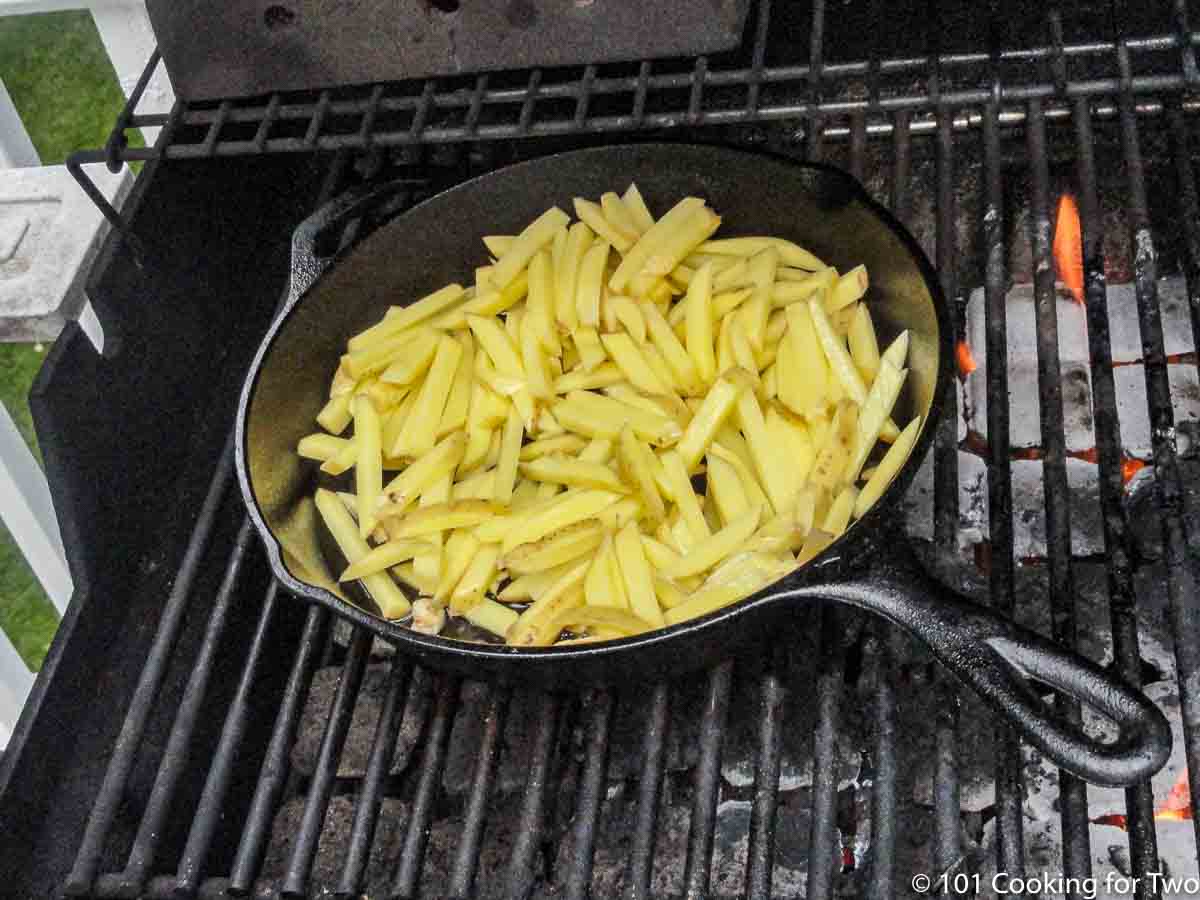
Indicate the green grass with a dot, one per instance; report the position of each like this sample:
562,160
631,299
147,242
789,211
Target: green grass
64,87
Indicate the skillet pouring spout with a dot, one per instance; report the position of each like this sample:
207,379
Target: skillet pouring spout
998,659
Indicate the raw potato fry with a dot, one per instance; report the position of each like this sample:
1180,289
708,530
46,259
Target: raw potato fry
563,510
683,495
707,553
561,547
762,276
401,318
635,573
382,558
885,471
368,469
420,431
447,516
596,416
475,580
637,467
385,592
491,616
632,363
510,452
817,284
322,446
538,234
407,486
864,347
840,364
849,289
559,444
532,627
590,284
591,352
602,376
638,211
700,324
593,216
573,473
544,425
566,275
790,254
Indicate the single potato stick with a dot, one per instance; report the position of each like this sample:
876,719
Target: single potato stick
566,275
538,234
593,216
420,431
563,510
638,211
712,550
382,558
790,254
402,318
475,580
636,575
533,626
385,592
632,363
560,469
554,550
491,616
368,468
447,516
590,284
888,467
652,241
864,347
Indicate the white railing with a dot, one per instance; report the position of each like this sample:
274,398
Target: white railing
72,229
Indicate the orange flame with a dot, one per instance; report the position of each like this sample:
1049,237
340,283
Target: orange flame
1068,247
1130,467
966,359
1178,805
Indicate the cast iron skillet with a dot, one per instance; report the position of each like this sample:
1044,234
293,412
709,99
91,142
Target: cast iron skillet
870,567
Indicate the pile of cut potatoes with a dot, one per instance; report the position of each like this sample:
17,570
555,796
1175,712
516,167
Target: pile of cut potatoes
622,424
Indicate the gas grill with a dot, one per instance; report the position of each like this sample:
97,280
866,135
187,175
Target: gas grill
196,732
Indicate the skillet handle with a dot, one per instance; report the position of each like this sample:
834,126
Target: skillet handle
994,656
336,225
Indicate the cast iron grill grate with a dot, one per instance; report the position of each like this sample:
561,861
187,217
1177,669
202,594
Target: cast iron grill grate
954,141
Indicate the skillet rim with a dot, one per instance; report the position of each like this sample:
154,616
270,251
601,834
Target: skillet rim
861,537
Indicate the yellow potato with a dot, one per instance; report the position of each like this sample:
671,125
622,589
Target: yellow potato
707,553
402,318
893,461
769,463
491,616
719,403
561,547
591,351
566,275
322,446
391,600
447,516
597,416
849,288
535,624
790,254
536,235
635,572
600,587
510,452
560,469
830,467
762,267
638,211
559,443
407,486
420,431
683,495
864,347
874,413
382,558
838,356
475,580
561,511
368,468
654,241
632,363
335,415
637,468
593,216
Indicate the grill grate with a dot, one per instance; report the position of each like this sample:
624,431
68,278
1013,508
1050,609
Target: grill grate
560,825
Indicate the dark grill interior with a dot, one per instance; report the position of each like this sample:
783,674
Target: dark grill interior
242,744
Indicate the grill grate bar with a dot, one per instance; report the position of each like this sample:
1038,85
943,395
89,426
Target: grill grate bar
590,797
1143,841
116,776
533,813
273,773
466,861
762,28
175,756
1181,580
208,810
947,842
370,797
433,759
337,726
696,870
760,853
654,747
264,128
1009,815
1073,792
824,855
882,648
